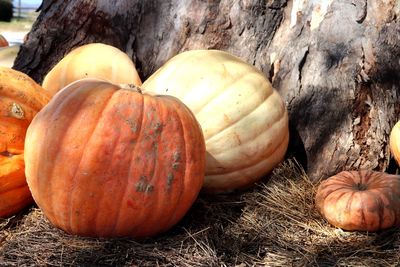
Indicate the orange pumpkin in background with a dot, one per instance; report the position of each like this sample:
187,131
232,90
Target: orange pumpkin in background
102,160
3,41
360,200
94,60
20,99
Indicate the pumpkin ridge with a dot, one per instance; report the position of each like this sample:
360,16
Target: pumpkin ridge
18,189
23,202
330,191
185,158
156,140
213,181
364,220
180,131
381,183
345,191
342,216
155,203
129,176
14,188
349,202
345,177
52,117
78,166
381,207
257,110
367,178
212,97
252,164
161,196
187,181
29,95
216,97
101,195
143,214
17,206
344,184
244,117
194,57
326,200
270,128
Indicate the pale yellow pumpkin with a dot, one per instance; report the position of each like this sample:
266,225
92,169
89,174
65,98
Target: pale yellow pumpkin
395,142
94,60
244,120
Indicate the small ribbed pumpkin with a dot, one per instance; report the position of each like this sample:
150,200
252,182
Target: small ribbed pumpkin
94,60
244,119
20,99
394,142
3,41
107,161
360,200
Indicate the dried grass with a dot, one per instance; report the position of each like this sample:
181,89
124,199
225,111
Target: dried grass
275,224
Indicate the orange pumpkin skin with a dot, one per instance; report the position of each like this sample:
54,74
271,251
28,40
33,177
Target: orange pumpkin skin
110,162
3,41
360,200
20,99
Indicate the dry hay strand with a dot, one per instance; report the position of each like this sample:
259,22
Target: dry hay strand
274,224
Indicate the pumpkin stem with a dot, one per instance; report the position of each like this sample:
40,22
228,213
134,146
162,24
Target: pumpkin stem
361,186
131,87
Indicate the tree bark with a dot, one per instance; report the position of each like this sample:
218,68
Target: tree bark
335,62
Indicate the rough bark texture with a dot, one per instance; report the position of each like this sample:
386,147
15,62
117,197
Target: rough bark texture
335,62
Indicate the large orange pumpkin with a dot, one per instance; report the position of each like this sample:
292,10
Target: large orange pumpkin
20,99
3,41
94,60
102,160
360,200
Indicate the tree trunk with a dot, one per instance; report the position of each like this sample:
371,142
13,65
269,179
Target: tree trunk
335,62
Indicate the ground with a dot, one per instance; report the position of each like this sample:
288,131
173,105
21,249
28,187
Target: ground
273,224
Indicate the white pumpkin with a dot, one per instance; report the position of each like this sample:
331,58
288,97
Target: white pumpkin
394,142
244,120
94,60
